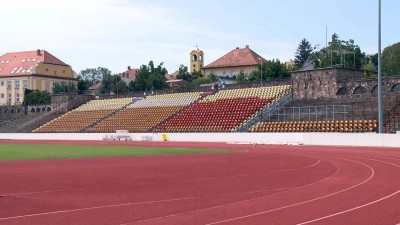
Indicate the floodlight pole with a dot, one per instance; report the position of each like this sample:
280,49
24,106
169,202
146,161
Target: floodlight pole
380,107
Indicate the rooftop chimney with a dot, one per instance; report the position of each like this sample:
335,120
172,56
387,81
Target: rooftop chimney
129,67
38,52
247,46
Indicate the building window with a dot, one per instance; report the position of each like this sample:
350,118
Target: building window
2,83
17,84
2,95
47,69
9,85
194,65
9,97
25,84
17,97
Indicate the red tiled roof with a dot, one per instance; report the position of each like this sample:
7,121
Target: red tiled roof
237,57
130,73
95,86
170,77
22,63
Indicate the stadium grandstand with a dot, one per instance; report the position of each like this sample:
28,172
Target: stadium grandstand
315,104
84,116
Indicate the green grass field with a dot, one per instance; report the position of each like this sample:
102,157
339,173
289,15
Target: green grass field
31,151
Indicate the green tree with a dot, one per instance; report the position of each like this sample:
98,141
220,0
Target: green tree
36,97
270,69
131,86
200,80
106,84
339,53
303,53
113,83
64,88
241,77
213,78
196,74
94,75
82,85
184,74
120,87
369,69
150,77
391,60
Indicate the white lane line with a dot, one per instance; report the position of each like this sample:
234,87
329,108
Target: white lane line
155,183
21,170
95,207
41,192
127,204
352,209
237,202
360,206
304,202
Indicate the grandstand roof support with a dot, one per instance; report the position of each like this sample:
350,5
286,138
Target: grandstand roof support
380,108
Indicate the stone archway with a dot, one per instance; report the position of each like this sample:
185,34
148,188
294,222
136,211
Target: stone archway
374,90
360,90
396,88
342,91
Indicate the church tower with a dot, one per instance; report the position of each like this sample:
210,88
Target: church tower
196,60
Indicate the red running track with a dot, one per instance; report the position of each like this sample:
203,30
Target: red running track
261,184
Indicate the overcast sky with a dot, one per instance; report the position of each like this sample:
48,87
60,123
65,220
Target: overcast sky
120,33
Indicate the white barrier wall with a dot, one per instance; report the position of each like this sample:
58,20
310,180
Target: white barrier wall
335,139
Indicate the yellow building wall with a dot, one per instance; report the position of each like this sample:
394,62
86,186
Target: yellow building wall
34,83
229,71
14,90
38,85
65,73
54,70
3,92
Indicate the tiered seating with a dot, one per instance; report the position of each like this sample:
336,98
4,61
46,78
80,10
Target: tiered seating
147,113
224,111
317,126
85,115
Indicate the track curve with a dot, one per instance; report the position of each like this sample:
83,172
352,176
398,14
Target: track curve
259,185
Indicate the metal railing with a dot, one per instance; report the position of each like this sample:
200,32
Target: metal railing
37,119
322,113
266,111
391,116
